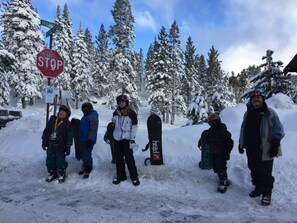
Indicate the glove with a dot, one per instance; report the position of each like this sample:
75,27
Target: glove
227,156
273,151
199,144
133,145
44,148
67,152
90,143
105,138
240,150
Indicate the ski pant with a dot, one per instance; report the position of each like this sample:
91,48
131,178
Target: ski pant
219,165
123,154
86,154
261,171
55,159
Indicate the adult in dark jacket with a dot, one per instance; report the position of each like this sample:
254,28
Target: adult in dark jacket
260,135
88,136
125,120
220,142
57,139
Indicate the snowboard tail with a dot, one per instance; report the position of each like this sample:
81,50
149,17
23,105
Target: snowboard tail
206,158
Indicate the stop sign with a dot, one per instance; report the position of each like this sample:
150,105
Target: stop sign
50,63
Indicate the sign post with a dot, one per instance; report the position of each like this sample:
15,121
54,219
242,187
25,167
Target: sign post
46,63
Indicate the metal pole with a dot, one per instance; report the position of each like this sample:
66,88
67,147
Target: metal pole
49,81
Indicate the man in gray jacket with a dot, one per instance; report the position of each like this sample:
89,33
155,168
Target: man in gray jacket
260,135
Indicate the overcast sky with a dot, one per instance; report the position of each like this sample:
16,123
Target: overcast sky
241,30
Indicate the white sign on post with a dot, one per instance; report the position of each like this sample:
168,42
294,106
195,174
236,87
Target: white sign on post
49,94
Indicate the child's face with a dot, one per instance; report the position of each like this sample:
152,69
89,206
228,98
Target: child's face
62,114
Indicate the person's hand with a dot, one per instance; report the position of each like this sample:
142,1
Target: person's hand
67,152
273,151
133,145
240,150
44,147
90,143
227,156
105,138
199,144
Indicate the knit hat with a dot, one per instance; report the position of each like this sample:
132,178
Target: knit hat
256,92
65,109
122,98
86,105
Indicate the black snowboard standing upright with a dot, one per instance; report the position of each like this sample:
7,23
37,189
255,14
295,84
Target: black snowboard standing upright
108,138
154,128
75,127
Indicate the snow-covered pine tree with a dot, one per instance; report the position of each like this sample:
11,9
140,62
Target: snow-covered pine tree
140,70
22,37
122,35
177,103
219,94
241,82
189,80
6,65
158,78
271,80
198,110
81,74
101,73
63,42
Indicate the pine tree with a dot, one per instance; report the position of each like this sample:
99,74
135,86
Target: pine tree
220,95
189,80
63,42
198,110
6,65
121,70
271,80
176,71
158,78
21,37
101,73
81,75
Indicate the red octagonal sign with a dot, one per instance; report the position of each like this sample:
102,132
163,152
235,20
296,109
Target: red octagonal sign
50,63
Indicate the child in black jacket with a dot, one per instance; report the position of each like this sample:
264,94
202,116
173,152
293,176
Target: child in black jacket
220,144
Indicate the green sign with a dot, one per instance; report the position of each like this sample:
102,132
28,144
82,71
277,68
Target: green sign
53,27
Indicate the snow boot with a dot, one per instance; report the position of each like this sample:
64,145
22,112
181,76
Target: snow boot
88,170
52,175
61,176
82,171
118,180
136,182
266,200
223,186
256,192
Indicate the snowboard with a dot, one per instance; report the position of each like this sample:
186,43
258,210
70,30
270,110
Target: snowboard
75,127
108,138
154,128
206,158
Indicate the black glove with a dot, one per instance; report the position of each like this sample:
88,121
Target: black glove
273,151
44,147
90,143
105,138
199,144
240,150
67,152
227,156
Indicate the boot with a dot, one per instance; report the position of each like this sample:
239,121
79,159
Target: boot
256,192
88,170
61,176
82,171
52,175
118,180
266,200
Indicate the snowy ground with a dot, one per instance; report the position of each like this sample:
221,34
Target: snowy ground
175,192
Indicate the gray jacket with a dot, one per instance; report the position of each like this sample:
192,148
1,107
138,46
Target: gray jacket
270,128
